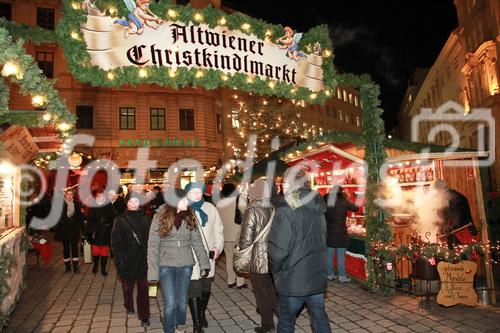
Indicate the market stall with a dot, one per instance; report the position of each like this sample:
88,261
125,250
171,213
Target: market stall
408,194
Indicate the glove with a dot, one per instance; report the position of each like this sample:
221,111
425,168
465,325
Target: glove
204,273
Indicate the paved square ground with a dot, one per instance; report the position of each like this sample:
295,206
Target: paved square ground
55,301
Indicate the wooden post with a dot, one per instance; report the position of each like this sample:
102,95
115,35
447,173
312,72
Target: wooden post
484,230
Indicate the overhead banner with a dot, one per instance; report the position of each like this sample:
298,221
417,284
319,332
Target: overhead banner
143,39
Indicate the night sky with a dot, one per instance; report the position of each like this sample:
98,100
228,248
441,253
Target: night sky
387,39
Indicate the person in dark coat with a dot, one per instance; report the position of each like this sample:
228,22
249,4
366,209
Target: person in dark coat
117,202
337,238
297,253
455,215
158,199
99,224
69,229
129,241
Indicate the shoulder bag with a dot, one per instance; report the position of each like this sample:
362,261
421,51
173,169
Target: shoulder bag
242,257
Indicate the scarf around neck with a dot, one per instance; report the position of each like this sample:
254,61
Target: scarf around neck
71,208
196,205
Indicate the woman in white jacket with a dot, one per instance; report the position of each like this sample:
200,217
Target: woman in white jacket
212,230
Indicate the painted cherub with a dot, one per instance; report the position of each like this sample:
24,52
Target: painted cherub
290,42
139,16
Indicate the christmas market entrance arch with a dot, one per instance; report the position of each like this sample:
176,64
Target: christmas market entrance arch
181,67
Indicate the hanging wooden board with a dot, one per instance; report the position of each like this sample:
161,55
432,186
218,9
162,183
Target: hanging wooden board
457,283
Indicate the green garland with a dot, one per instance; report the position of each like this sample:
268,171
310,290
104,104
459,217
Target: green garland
35,35
7,261
79,59
31,82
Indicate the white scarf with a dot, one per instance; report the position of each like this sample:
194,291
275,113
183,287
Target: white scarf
71,208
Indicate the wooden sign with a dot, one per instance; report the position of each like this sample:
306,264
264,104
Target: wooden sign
456,283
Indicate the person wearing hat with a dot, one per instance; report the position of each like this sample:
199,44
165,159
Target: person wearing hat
174,232
337,238
212,232
129,241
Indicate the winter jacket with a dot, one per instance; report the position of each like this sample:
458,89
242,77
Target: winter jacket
176,249
336,221
213,231
70,228
257,216
227,211
130,253
119,206
99,224
297,245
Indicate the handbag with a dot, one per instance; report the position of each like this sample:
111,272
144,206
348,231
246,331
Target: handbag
242,257
87,256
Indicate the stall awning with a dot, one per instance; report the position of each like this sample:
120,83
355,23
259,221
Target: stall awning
328,157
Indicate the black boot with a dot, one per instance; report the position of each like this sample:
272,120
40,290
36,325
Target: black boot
68,266
195,308
205,297
75,267
104,263
266,328
96,264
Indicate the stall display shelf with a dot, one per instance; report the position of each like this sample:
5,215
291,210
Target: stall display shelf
416,183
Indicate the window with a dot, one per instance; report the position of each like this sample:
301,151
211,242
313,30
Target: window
356,101
347,118
157,119
45,18
339,93
345,96
85,116
341,117
182,2
234,120
219,123
186,119
127,118
6,10
350,99
358,122
45,61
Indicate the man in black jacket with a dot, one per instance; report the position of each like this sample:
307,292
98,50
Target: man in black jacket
129,241
297,254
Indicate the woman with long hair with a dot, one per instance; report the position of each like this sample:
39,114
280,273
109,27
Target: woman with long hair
174,232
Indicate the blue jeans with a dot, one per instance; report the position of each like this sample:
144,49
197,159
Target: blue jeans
174,282
340,252
289,307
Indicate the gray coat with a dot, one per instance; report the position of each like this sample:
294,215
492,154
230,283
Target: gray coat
257,215
175,250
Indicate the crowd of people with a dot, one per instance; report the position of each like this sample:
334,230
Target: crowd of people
173,241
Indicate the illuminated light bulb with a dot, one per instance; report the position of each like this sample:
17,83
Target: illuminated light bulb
222,21
293,90
110,76
327,92
418,161
47,117
38,100
199,74
172,72
249,79
224,77
272,84
112,10
264,102
75,35
9,69
143,73
327,53
64,127
75,5
268,33
198,17
313,96
172,13
246,26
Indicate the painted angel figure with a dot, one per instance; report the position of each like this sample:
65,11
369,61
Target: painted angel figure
290,42
139,16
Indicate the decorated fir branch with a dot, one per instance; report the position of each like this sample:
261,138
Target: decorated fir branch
70,37
20,69
35,35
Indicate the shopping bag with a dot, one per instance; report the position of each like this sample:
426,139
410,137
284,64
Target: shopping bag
153,290
87,253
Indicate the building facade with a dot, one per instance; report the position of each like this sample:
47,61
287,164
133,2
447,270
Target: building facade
465,72
185,123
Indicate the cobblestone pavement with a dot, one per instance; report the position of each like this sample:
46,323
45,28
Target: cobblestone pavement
55,301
